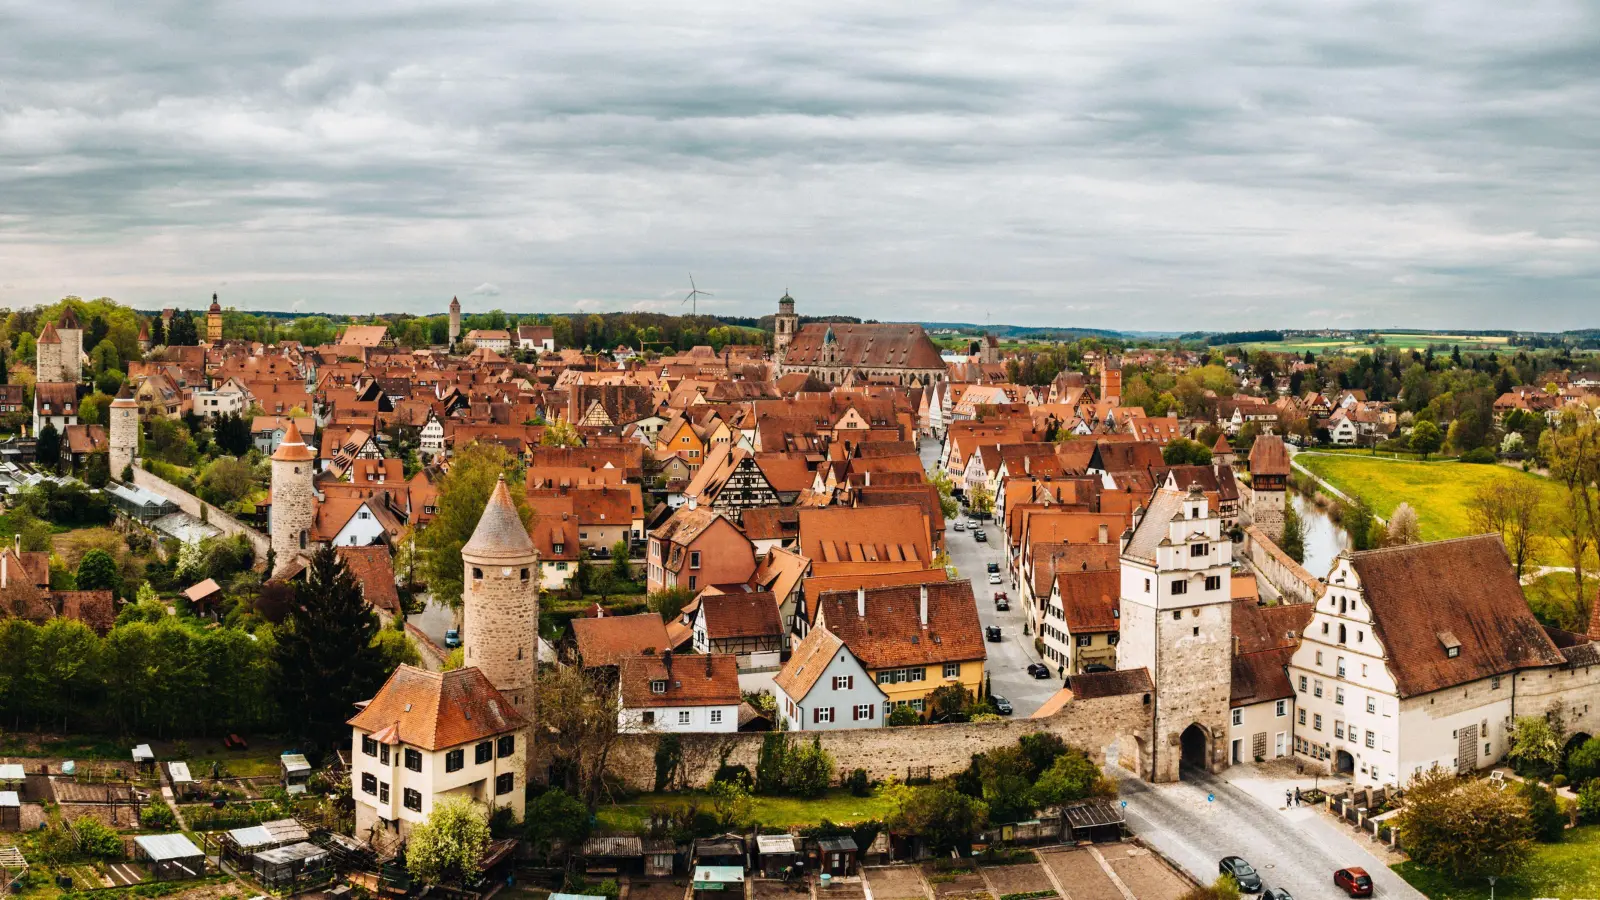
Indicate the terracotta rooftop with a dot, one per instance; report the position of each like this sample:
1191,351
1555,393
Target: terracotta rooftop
891,634
436,710
293,447
809,660
606,640
687,680
741,615
500,534
374,568
1269,456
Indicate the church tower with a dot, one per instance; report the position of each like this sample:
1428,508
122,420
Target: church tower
294,501
500,601
455,320
124,432
47,356
1177,623
214,322
1111,380
71,334
784,326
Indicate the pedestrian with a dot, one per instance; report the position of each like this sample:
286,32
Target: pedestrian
1297,796
1288,797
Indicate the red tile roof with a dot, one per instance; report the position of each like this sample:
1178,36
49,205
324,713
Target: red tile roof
752,614
690,680
892,634
605,640
434,710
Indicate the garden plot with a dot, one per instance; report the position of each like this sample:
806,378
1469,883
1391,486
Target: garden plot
1145,874
896,882
1023,878
957,883
1080,875
70,790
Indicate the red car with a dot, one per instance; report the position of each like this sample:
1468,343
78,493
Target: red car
1355,882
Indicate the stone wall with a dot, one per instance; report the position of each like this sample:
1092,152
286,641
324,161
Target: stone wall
1293,581
499,625
193,505
916,751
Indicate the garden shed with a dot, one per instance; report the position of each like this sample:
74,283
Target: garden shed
240,844
613,854
717,882
292,866
296,772
144,758
12,776
1091,820
838,855
776,853
10,811
170,856
660,856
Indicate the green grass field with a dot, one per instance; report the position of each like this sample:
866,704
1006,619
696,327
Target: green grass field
1567,869
835,806
1396,340
1439,491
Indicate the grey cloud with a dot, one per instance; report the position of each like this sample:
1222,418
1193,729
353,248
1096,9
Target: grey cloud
1139,165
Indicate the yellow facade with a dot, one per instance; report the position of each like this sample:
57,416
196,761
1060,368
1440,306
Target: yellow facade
902,687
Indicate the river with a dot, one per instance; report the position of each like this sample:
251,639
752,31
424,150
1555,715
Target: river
1324,538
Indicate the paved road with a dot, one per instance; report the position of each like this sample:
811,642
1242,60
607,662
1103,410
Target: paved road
1008,659
1297,849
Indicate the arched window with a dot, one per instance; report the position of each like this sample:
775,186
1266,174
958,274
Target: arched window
1341,634
302,539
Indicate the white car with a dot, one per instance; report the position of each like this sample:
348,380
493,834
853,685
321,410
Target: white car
994,577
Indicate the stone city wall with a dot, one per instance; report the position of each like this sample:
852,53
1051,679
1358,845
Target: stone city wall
1293,580
192,505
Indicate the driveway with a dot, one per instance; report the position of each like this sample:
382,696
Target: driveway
1008,660
1298,849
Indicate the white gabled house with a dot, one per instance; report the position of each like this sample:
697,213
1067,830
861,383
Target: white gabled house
682,693
825,687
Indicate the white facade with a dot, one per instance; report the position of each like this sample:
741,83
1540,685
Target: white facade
363,529
713,718
843,697
396,787
430,441
1272,721
229,397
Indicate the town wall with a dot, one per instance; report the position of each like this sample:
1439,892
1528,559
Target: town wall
193,505
1294,581
916,751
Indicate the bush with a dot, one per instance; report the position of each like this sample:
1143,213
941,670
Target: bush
158,817
1589,802
904,715
1583,763
736,774
858,783
1559,781
1479,455
1548,822
95,838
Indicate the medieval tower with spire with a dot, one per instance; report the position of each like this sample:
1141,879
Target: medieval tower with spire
294,501
784,326
71,333
500,601
455,320
124,432
47,364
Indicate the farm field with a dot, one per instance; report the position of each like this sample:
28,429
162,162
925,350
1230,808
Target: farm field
1439,491
1397,340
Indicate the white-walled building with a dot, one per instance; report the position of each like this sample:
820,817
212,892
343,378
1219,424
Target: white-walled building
428,736
678,693
231,396
1177,622
825,687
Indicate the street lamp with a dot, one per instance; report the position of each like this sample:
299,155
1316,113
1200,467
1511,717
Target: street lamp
1491,887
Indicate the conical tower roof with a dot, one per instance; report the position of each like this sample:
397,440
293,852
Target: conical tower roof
500,534
69,319
49,336
293,448
124,397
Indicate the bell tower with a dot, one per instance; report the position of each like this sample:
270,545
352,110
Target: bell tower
784,326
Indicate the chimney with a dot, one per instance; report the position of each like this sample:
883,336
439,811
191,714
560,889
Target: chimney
1104,533
666,660
694,503
861,602
708,665
923,613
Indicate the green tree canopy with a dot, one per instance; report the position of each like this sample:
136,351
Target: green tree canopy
463,494
326,659
447,848
97,571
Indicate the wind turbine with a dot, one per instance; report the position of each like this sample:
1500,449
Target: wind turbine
693,297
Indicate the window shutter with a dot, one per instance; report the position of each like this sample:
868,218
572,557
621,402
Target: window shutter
850,682
831,716
816,714
855,714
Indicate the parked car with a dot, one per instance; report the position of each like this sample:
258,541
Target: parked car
959,526
1091,668
1354,881
452,639
993,567
1242,872
980,536
1001,604
1039,670
1001,704
1275,894
994,577
992,633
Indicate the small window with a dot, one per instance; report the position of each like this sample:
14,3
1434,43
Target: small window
412,799
1177,614
455,760
483,752
1338,729
1282,709
477,573
1238,717
1213,582
683,717
383,792
1302,684
369,746
369,783
504,783
1338,695
1180,587
1316,687
952,670
1302,717
1494,683
716,717
649,717
1147,585
383,754
1197,550
1084,640
524,574
658,687
694,559
1452,652
1197,631
1372,704
1316,722
508,745
413,760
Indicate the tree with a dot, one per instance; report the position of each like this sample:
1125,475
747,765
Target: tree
447,847
325,656
1184,452
1466,829
621,570
950,703
1535,746
158,331
939,814
669,602
97,470
231,431
555,815
97,839
1543,811
1358,520
184,333
1005,783
1510,507
463,494
1403,527
48,449
732,803
810,769
1426,438
578,710
1073,776
948,505
904,715
1589,801
97,571
226,480
560,434
1583,763
394,649
980,498
1294,534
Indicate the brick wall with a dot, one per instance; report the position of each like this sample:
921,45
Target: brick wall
937,750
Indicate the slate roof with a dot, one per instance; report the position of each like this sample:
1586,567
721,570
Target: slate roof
436,710
1423,595
500,534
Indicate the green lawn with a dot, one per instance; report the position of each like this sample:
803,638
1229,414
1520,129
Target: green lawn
1568,869
1439,491
835,806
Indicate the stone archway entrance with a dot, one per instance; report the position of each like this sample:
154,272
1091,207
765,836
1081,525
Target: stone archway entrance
1344,763
1128,752
1195,746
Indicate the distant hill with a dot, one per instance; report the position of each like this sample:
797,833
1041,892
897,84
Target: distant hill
1018,331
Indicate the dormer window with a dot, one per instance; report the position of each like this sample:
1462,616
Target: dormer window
1451,645
658,687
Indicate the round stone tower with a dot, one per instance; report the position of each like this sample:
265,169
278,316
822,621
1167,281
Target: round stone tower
455,320
124,431
500,601
294,503
784,326
47,356
71,334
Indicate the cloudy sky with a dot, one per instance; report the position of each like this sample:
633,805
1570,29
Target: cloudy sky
1130,164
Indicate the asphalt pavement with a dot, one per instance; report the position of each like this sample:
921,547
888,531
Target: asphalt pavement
1008,661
